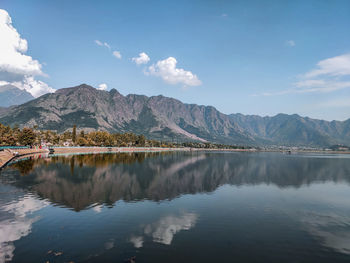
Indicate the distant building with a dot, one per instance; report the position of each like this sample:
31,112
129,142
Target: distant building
68,143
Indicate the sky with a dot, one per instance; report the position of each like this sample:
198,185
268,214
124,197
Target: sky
249,57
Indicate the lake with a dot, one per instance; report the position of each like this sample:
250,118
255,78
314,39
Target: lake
176,207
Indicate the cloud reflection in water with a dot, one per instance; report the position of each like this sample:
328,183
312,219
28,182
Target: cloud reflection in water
16,223
332,229
165,228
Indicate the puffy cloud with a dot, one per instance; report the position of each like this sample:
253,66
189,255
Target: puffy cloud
15,67
167,70
102,86
13,63
143,58
33,86
102,44
117,54
290,43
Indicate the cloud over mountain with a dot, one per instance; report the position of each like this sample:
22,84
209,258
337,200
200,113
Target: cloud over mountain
16,67
102,86
167,70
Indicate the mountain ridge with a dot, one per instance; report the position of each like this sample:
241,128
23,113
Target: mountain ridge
11,95
165,118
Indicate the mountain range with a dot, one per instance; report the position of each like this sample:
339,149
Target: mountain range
11,95
164,118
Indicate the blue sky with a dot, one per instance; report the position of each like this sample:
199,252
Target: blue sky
251,57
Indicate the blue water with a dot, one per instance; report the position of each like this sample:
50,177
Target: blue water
176,207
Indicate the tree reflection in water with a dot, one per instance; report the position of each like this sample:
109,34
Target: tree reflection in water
79,181
292,201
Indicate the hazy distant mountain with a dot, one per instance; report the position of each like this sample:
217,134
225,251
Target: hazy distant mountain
11,95
294,129
167,119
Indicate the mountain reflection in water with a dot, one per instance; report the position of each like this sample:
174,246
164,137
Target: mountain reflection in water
79,181
176,207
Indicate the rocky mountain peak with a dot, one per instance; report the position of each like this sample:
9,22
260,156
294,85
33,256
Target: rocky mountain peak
166,118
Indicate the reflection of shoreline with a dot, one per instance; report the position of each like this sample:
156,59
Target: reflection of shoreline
78,181
8,155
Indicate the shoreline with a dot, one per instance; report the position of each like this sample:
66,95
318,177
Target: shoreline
8,155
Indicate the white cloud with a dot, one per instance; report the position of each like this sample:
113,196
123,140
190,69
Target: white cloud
15,67
330,75
102,86
320,85
290,43
335,66
102,44
167,70
13,63
117,54
98,42
143,58
311,86
33,86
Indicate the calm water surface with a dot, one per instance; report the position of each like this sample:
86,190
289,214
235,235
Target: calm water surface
176,207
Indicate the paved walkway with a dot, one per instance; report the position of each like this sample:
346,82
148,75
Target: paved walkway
7,154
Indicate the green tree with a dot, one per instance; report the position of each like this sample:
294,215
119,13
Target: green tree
27,136
67,135
82,141
141,141
74,135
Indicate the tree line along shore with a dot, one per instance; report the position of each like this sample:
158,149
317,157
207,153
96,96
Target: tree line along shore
14,136
38,142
